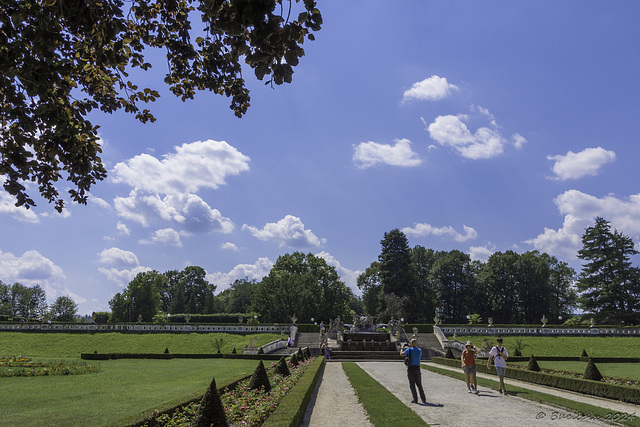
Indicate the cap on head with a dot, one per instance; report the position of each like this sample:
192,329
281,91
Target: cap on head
468,343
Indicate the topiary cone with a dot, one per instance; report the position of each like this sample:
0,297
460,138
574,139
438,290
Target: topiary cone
294,360
533,364
211,411
260,379
517,353
282,368
584,354
234,351
591,372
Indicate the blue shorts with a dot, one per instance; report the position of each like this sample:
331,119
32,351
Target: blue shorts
500,371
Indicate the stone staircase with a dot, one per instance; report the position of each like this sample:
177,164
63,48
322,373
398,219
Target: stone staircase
364,346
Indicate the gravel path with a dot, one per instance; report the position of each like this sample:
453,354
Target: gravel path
449,403
334,402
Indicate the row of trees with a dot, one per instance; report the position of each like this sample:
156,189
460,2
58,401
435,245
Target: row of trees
416,284
151,293
299,284
19,301
419,284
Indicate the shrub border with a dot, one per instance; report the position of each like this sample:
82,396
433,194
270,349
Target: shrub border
114,356
593,388
290,411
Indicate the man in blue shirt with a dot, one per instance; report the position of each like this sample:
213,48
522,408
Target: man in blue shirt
414,353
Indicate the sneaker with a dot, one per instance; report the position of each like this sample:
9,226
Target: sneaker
414,401
469,390
424,401
477,392
472,387
500,391
504,392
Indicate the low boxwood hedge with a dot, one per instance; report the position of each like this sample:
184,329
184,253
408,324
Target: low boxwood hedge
593,388
113,356
291,409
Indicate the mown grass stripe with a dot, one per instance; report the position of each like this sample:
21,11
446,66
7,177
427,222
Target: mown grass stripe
578,408
383,408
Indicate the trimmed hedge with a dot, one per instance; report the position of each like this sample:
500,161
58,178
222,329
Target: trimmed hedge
222,318
577,359
422,328
291,409
593,388
114,356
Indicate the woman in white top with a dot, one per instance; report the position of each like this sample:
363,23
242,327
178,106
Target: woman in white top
499,355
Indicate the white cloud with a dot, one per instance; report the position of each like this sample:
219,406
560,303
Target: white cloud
451,131
123,230
8,207
430,89
422,230
122,277
189,211
257,271
370,153
480,253
32,269
229,246
166,236
125,265
289,231
580,210
99,202
201,164
118,258
577,165
349,277
518,141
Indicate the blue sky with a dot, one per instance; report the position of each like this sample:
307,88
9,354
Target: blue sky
478,126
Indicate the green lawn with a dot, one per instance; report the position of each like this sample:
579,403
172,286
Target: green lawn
620,370
59,344
383,408
122,388
568,346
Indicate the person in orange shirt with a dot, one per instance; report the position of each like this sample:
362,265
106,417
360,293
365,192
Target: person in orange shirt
468,359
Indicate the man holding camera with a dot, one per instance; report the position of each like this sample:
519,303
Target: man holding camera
414,353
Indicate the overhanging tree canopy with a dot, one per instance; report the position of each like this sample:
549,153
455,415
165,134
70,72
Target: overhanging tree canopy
61,59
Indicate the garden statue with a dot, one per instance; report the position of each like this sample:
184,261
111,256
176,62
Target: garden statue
490,320
294,319
544,321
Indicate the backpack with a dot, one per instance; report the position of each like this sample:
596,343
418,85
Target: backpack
407,359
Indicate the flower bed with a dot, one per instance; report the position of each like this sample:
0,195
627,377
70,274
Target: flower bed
243,406
18,366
